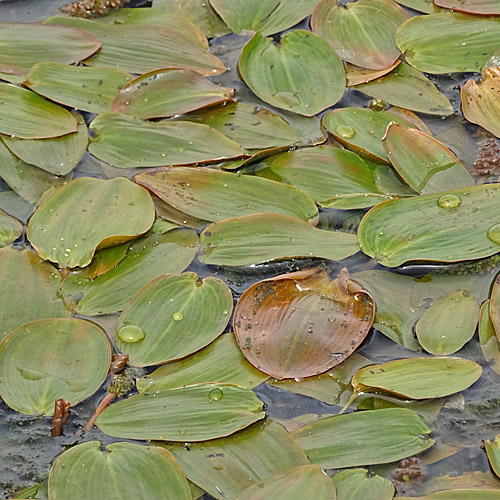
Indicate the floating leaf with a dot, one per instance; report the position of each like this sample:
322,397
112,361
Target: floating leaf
480,100
87,214
493,451
364,438
495,306
362,33
221,361
15,206
210,194
426,165
356,75
292,483
27,181
168,212
361,130
483,7
168,92
22,45
192,413
50,359
10,229
88,89
448,324
448,41
266,16
302,324
410,89
199,12
146,49
26,280
146,259
425,6
302,74
119,471
488,339
263,237
419,378
27,115
177,314
58,155
358,484
475,494
250,126
242,463
334,177
103,261
386,235
125,142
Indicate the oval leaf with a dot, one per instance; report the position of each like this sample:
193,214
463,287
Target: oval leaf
177,314
448,324
359,484
493,451
424,163
488,340
302,74
10,229
302,324
483,7
263,237
364,438
51,359
22,45
210,194
356,75
87,213
119,471
419,378
126,141
292,483
361,33
192,413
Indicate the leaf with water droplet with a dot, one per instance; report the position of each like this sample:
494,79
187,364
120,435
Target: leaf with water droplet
359,484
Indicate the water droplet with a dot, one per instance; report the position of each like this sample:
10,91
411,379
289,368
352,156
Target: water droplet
215,395
225,311
449,201
131,334
177,316
345,131
494,233
287,98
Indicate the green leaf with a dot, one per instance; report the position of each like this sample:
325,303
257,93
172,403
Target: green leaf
494,306
26,280
425,6
22,45
358,484
210,194
221,361
199,12
483,7
448,324
493,451
243,463
479,101
362,33
50,359
297,482
168,92
266,16
87,214
426,165
119,471
356,75
59,155
475,494
146,49
302,324
27,181
26,115
364,438
88,89
177,315
15,206
185,414
146,259
410,89
334,177
10,229
488,340
250,126
386,234
448,41
418,378
361,130
263,237
125,142
302,74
